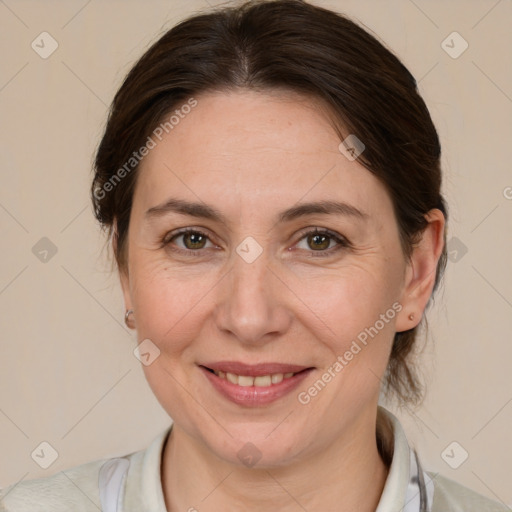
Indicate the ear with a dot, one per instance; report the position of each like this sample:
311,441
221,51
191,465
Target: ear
421,270
123,270
125,286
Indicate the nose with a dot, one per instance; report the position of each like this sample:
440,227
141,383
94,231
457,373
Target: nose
251,302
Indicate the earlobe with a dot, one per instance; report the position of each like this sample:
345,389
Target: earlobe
129,316
129,319
123,278
421,272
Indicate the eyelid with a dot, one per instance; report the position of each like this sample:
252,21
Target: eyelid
321,231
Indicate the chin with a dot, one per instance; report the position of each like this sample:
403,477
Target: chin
253,447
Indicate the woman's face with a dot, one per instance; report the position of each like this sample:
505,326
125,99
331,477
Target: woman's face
253,291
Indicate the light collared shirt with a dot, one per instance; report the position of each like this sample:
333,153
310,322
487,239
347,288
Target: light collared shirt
132,483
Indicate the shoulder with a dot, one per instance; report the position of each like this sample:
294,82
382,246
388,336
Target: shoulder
450,496
85,487
72,489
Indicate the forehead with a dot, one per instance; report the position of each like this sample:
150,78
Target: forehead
250,147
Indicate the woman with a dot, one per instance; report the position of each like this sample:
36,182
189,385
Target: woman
270,179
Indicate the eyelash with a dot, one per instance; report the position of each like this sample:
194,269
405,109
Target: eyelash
343,243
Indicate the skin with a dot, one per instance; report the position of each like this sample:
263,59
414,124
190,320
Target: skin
252,155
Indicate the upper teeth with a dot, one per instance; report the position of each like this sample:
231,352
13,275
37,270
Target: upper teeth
260,381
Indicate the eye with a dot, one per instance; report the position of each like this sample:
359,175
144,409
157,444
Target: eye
323,242
192,239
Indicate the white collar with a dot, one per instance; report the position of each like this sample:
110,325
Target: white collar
407,488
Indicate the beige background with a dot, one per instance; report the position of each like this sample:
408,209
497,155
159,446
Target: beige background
68,374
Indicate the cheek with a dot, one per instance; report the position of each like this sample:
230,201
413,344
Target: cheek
346,301
168,301
358,312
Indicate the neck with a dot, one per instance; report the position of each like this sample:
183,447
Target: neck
336,479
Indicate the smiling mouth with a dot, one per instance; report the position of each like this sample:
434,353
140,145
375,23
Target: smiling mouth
257,381
256,385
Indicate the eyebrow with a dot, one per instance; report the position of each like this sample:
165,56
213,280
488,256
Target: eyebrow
202,210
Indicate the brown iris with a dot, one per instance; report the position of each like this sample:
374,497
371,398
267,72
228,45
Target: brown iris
197,240
321,241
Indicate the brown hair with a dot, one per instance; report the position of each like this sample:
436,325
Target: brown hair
292,45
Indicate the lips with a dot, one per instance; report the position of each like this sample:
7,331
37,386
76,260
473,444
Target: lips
254,385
